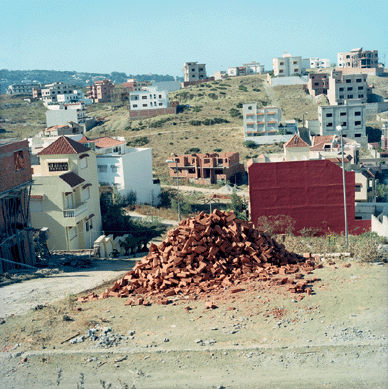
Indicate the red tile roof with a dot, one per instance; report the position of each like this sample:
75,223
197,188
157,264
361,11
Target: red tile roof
64,145
322,139
102,142
71,179
58,126
296,141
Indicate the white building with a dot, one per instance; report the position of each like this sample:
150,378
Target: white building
75,97
193,71
125,169
287,66
148,99
351,118
246,69
315,63
51,91
21,89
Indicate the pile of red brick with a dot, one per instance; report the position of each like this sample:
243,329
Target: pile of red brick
206,253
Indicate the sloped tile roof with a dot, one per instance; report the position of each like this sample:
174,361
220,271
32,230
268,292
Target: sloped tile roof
102,142
296,141
322,139
64,145
71,179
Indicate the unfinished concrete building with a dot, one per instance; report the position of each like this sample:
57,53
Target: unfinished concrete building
207,168
16,244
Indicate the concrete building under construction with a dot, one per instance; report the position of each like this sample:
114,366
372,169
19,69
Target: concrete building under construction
16,241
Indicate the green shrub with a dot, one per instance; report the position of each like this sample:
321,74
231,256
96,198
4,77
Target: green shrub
195,122
208,122
239,105
234,112
193,150
197,108
138,142
217,150
243,88
250,144
213,96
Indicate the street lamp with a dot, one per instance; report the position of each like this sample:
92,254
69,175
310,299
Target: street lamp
339,128
177,182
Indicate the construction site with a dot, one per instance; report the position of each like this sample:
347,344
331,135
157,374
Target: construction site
217,303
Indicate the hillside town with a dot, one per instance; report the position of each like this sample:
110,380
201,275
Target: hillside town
88,183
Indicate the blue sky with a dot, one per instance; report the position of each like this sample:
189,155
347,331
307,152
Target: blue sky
158,36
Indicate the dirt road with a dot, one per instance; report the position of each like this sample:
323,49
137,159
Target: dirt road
335,338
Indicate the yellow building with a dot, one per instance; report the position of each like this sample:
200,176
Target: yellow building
65,195
296,149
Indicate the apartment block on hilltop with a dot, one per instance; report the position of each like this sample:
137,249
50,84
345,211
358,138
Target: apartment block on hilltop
350,117
207,168
100,91
51,91
246,69
16,240
124,169
287,66
347,88
22,89
133,85
193,71
315,63
359,61
65,195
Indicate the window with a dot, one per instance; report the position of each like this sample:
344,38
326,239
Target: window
350,96
102,168
329,125
296,70
250,107
357,113
316,83
144,105
341,89
281,63
18,159
86,194
360,96
160,104
89,225
341,96
348,81
343,114
357,135
160,96
114,168
294,62
206,160
329,115
134,106
350,88
58,166
144,97
360,88
359,80
84,163
358,187
357,123
343,124
280,71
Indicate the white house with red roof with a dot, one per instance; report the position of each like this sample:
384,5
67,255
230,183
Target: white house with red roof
65,195
124,169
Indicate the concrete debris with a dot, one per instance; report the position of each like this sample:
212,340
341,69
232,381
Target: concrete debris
209,252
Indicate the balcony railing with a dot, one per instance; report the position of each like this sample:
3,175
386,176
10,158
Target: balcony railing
76,211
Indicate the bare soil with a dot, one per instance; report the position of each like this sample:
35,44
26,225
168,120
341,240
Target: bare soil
336,337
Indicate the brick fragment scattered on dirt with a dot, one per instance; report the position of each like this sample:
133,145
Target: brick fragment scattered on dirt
210,253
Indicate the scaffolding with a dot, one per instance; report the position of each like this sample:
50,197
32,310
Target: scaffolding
16,243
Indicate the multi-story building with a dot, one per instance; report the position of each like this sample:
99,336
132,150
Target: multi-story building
148,99
358,58
75,96
207,168
318,83
100,91
21,89
384,137
347,88
193,71
246,69
51,91
260,121
287,66
133,85
315,63
124,169
65,195
350,117
68,114
16,241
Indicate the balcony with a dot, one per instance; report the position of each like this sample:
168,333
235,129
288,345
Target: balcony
73,216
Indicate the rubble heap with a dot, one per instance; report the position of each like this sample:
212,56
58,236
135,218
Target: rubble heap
208,252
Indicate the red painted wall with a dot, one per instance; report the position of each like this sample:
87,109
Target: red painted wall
311,192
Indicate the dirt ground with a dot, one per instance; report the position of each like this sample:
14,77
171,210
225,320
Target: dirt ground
258,338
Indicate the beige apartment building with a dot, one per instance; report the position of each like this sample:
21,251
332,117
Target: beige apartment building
65,195
193,71
358,58
347,87
51,91
287,66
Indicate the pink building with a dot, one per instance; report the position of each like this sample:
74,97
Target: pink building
100,91
318,83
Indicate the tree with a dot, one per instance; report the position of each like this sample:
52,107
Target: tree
381,191
239,205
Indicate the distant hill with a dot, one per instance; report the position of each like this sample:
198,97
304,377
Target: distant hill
8,77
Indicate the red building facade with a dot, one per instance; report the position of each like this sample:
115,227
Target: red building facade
311,192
